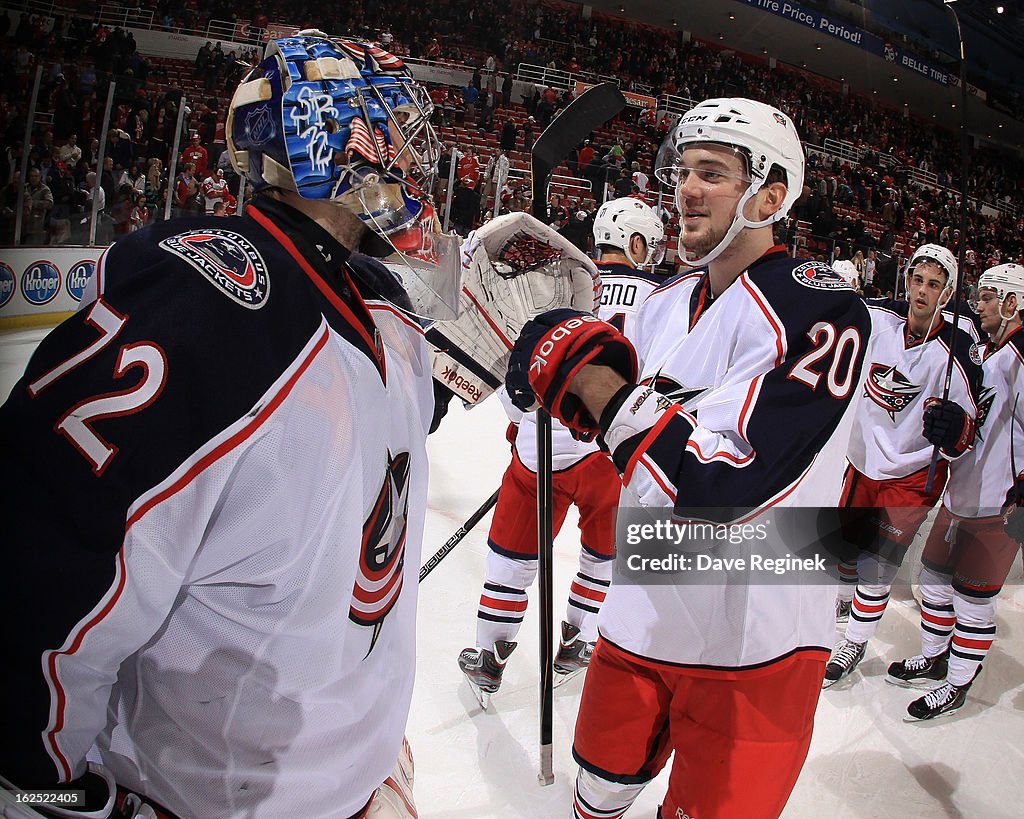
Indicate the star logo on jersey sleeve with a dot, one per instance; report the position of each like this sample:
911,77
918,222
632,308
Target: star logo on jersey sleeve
890,389
380,576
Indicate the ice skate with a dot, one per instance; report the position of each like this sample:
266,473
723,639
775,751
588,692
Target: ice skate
573,654
845,658
843,611
919,671
483,669
938,702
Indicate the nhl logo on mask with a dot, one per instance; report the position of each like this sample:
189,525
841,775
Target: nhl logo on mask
229,261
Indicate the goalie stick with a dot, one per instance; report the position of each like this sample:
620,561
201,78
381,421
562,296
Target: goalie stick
590,110
456,538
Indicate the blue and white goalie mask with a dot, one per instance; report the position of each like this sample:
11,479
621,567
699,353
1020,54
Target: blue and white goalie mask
345,121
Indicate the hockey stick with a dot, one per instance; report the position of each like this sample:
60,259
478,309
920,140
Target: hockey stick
456,538
590,110
962,250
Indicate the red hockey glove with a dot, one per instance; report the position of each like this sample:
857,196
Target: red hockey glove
551,350
948,426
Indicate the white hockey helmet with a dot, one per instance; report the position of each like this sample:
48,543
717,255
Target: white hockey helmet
618,220
763,135
1004,279
943,257
848,270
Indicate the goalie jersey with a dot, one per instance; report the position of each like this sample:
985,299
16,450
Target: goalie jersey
900,375
623,290
758,379
213,489
981,481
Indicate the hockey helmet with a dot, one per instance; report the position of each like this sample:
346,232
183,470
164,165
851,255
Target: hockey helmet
848,271
1004,279
764,136
943,257
344,121
618,220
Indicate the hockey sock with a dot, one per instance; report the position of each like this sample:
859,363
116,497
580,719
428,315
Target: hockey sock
503,600
587,593
937,616
847,580
972,636
872,596
595,796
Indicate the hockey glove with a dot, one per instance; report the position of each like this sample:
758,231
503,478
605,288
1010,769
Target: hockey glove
513,268
549,353
948,426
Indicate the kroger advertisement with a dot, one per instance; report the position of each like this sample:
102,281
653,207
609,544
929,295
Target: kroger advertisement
38,280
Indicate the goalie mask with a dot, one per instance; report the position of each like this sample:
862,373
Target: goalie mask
344,121
619,220
762,135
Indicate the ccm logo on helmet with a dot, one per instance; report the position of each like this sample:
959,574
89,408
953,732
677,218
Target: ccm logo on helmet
558,334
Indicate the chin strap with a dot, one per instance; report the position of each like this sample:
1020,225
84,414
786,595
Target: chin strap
739,222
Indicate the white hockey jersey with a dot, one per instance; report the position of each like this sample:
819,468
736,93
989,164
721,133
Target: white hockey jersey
759,378
223,600
981,481
623,290
886,440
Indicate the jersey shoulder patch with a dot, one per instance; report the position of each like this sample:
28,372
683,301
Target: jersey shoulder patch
819,276
228,260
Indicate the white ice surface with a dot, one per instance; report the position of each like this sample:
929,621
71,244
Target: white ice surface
864,762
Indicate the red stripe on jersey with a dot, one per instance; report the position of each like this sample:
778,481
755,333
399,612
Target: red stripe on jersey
387,308
589,594
502,605
965,642
328,293
652,470
768,315
649,438
247,431
51,668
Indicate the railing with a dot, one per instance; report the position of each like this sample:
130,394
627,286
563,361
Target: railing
124,17
843,149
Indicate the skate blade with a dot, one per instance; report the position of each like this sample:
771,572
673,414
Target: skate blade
562,679
843,682
943,715
913,685
482,697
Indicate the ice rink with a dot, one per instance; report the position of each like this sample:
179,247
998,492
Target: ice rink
864,762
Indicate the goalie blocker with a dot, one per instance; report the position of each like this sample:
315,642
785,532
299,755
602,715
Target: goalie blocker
514,268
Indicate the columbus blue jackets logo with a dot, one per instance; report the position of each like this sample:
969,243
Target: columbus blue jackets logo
819,276
985,401
382,554
890,389
231,262
673,390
